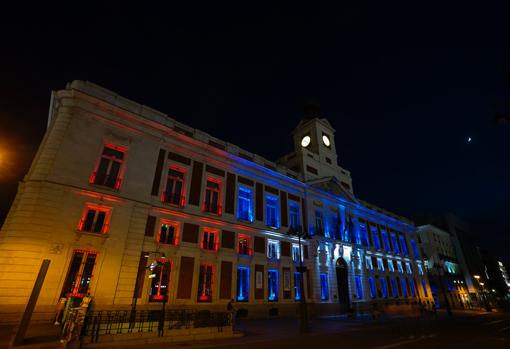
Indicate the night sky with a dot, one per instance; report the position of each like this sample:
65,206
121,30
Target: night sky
404,85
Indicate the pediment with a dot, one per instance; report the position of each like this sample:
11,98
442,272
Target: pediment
333,186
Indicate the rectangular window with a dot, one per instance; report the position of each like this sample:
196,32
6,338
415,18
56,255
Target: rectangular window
243,284
420,269
368,261
79,274
212,197
409,270
173,193
243,245
359,287
364,235
386,241
209,241
324,287
375,238
399,267
395,243
415,249
411,286
272,214
384,288
168,233
205,283
272,284
245,204
335,228
109,169
403,246
424,285
394,287
380,264
273,249
297,286
95,219
391,266
296,253
294,215
404,287
319,223
160,280
371,282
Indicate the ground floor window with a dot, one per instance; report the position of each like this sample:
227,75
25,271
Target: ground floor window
371,283
243,284
297,286
411,286
424,285
272,284
384,288
79,274
394,288
160,280
359,287
404,288
324,287
205,283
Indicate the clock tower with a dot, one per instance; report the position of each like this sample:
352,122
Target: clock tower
314,156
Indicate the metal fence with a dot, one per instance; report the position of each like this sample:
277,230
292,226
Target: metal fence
99,323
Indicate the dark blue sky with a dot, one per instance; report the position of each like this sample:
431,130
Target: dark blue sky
403,84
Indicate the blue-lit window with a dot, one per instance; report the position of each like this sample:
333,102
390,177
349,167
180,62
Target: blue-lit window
273,249
391,266
272,212
294,215
415,249
424,285
408,268
324,287
359,287
375,238
245,204
297,286
394,288
319,223
411,286
335,228
371,282
243,284
380,264
368,261
384,288
296,253
420,269
395,243
403,245
386,241
404,287
399,267
364,235
272,284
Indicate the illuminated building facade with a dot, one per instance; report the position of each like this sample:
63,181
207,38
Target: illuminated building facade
445,275
136,208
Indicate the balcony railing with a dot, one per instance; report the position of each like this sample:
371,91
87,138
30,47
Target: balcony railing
174,199
245,251
213,208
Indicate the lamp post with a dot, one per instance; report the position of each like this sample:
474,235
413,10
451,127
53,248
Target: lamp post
482,293
304,325
440,270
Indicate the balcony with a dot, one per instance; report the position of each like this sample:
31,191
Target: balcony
174,199
212,207
245,251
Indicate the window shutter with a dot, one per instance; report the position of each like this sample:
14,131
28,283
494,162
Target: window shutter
259,244
285,245
305,251
196,183
230,193
259,202
190,233
185,277
228,239
226,280
157,175
259,292
283,209
150,225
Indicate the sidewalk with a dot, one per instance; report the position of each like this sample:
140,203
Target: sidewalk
37,336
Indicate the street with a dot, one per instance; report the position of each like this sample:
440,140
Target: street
464,330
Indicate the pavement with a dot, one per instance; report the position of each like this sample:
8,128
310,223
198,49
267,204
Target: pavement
468,329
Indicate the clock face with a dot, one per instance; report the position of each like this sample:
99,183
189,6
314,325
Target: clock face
325,140
305,141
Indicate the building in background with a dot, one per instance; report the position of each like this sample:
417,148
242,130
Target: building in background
497,282
138,209
442,264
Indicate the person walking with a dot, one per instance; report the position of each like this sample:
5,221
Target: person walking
232,312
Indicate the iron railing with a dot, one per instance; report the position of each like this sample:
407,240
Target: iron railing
99,323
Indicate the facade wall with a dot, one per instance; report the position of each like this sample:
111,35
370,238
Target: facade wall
54,201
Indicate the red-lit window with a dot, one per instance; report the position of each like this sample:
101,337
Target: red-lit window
95,219
168,233
209,240
173,193
205,283
212,197
160,280
79,274
109,169
243,245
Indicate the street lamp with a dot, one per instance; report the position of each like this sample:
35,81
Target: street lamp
482,293
440,271
304,325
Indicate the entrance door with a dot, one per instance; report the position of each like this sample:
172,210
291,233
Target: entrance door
342,273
